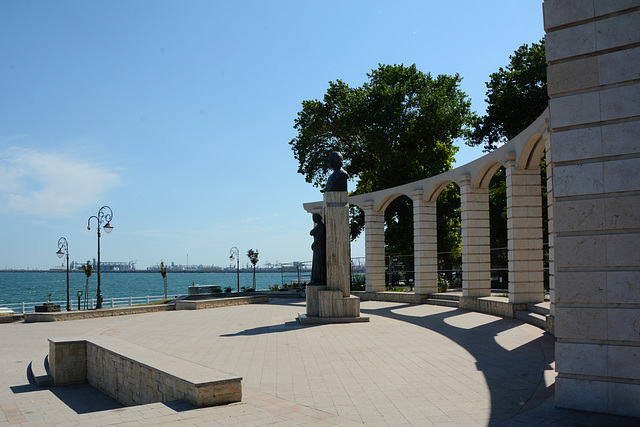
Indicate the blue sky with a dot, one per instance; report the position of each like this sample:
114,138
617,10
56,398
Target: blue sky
178,114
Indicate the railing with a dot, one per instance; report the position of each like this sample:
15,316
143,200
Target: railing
299,272
29,307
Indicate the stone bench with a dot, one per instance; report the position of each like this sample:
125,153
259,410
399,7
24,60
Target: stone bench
134,375
91,314
200,304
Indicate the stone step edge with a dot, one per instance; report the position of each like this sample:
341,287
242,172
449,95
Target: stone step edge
39,372
535,308
532,318
443,296
441,301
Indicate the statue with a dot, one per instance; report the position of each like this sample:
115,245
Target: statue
319,265
338,179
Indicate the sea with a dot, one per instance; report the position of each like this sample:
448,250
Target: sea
34,287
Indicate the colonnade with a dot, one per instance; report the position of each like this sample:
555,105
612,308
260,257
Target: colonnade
521,158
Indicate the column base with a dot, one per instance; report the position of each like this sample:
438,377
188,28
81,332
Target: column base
330,306
305,319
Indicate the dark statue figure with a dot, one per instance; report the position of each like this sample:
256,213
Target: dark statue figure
338,179
319,265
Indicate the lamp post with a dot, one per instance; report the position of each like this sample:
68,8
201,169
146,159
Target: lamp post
63,248
235,254
103,216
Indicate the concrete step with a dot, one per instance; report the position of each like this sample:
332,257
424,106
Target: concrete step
39,372
444,295
442,302
532,318
540,308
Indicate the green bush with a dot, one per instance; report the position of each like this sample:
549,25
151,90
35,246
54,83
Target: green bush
358,282
442,285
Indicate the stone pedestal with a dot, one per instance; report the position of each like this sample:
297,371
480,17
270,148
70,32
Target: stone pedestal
313,302
334,303
336,211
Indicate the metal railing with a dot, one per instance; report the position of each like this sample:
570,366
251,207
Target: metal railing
29,307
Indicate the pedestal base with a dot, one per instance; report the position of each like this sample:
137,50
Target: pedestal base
313,299
332,303
305,319
330,306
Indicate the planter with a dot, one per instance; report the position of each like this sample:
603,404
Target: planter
47,307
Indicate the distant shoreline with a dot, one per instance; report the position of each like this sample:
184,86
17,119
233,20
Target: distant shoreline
242,270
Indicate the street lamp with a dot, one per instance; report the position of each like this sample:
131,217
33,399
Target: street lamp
102,217
63,248
235,254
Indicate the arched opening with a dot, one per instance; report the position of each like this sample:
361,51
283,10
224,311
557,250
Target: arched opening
356,228
498,230
449,238
398,231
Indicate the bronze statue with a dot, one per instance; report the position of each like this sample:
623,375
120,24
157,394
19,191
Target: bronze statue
319,265
338,179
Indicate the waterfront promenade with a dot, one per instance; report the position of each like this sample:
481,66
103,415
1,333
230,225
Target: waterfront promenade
417,365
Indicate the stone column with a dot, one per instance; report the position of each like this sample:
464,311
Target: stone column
594,56
550,232
374,247
336,209
476,260
425,245
524,231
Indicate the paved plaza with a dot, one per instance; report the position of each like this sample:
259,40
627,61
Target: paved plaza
419,365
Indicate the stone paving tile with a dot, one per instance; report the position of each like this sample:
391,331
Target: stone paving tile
410,365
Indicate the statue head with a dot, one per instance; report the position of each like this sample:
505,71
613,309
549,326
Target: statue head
317,218
338,179
335,160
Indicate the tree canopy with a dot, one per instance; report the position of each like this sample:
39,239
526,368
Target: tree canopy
397,127
516,96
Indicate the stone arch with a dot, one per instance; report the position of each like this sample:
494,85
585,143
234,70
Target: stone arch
384,204
433,194
533,151
485,175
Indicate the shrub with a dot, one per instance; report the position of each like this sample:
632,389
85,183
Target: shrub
358,282
442,285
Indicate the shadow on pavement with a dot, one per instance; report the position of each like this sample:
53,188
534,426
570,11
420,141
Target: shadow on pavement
260,330
512,376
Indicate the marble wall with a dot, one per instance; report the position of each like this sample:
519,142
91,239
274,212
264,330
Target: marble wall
594,87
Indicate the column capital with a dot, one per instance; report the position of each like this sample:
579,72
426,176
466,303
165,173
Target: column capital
464,180
509,160
417,195
368,205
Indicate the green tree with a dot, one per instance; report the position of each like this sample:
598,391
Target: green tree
253,257
449,239
516,96
88,270
163,273
398,127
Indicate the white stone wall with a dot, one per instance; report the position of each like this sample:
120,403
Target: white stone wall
425,244
594,85
68,361
133,375
476,243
